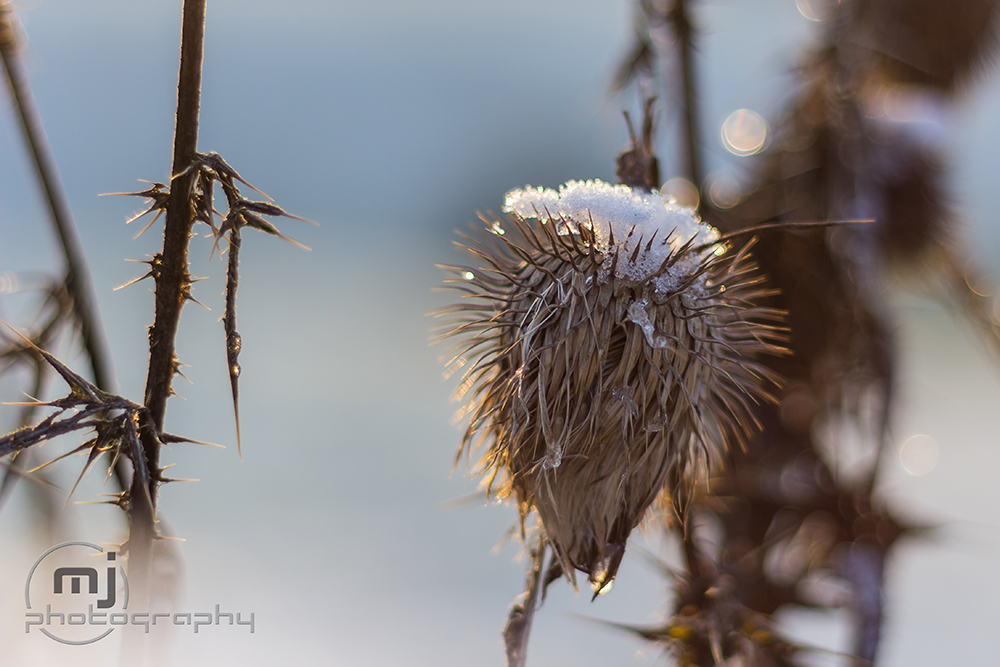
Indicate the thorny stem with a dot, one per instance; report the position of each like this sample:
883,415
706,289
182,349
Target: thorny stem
77,275
173,279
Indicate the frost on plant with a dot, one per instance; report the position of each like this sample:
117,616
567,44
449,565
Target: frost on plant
621,218
609,343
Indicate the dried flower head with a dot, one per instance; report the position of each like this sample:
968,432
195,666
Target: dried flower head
609,339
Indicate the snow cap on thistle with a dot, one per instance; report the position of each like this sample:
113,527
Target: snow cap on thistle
609,344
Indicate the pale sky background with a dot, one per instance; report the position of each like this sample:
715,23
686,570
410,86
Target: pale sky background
391,123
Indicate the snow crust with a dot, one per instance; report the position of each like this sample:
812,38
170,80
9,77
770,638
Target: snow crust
622,219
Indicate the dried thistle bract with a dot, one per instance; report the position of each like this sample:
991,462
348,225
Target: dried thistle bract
609,341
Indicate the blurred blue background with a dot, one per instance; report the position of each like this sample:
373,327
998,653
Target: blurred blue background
392,122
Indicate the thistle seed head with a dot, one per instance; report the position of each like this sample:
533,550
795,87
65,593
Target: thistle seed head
609,349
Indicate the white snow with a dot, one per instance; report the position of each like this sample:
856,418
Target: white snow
628,217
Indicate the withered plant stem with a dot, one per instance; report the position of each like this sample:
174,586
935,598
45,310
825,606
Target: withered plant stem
680,19
78,281
173,278
522,614
179,219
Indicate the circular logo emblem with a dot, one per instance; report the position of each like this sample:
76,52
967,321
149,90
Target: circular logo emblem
76,593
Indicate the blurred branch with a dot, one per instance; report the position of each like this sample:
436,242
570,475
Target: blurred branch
679,18
671,18
60,305
637,166
78,280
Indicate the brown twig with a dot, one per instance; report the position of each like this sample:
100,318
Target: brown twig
172,282
518,628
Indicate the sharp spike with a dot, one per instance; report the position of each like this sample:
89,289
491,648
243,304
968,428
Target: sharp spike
635,253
